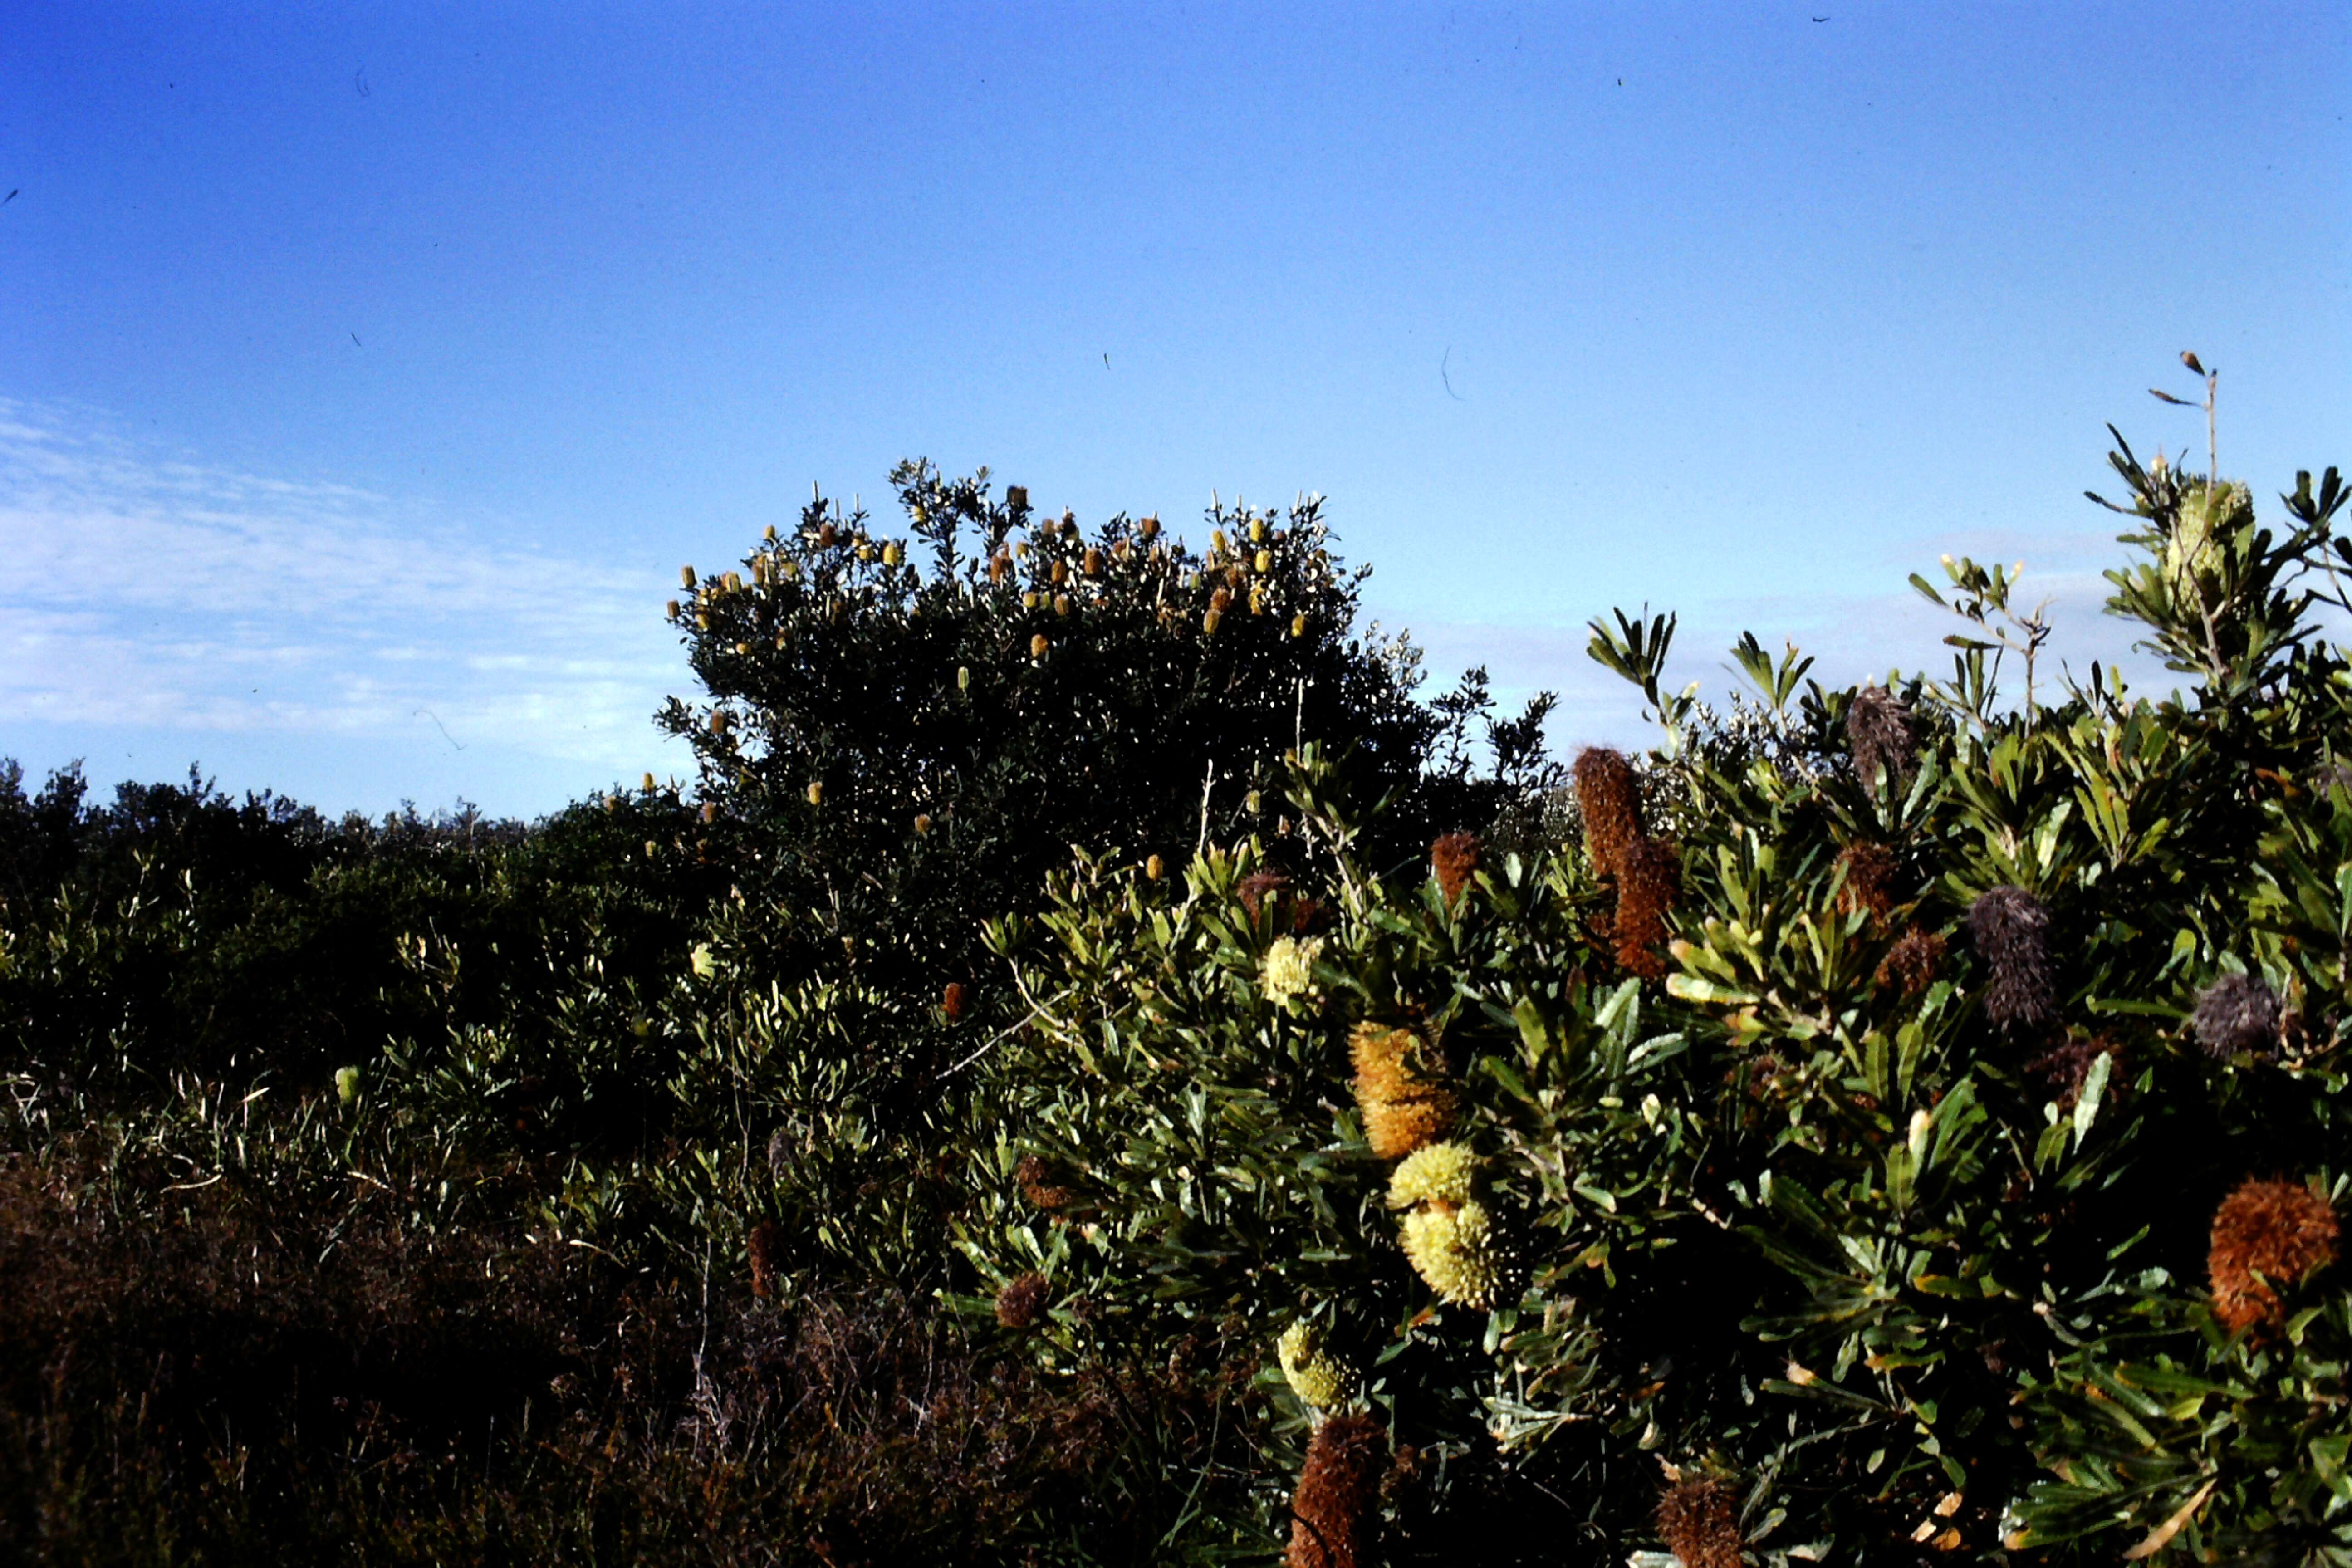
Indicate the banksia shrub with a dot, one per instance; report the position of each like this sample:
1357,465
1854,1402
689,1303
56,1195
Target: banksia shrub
1402,1107
1023,1301
1912,961
2010,931
1649,875
1608,800
1699,1524
1869,886
1453,859
2266,1237
1881,738
1335,1520
1321,1380
2236,1014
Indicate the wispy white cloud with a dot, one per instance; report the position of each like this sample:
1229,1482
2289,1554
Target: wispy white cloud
146,591
1852,638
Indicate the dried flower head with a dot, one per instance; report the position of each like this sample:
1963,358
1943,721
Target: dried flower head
1456,1250
1649,875
2236,1014
1404,1105
1881,738
1287,970
1024,1300
1335,1516
1443,1173
2266,1237
1258,887
1043,1183
2012,933
1321,1380
1699,1524
1000,566
1016,497
2064,1066
1455,861
1912,963
766,1246
1094,561
1148,530
1869,886
1608,802
951,999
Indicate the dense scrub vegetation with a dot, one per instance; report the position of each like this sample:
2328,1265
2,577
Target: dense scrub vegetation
1094,1073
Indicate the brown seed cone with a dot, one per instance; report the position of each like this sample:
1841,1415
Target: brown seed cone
1024,1300
1455,861
1335,1516
766,1246
2012,932
2266,1237
1913,961
1871,870
1257,886
1881,737
1699,1524
2237,1013
1649,875
1041,1182
1608,800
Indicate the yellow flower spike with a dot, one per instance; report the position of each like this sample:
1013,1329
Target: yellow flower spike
771,534
686,575
1061,604
1217,540
892,554
1257,532
1443,1173
1208,623
1029,601
923,825
1154,868
649,783
1299,626
817,792
670,609
1264,563
1038,645
963,677
1456,1251
1320,1379
1287,971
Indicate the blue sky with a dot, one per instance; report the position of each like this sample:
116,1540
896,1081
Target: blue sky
365,376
